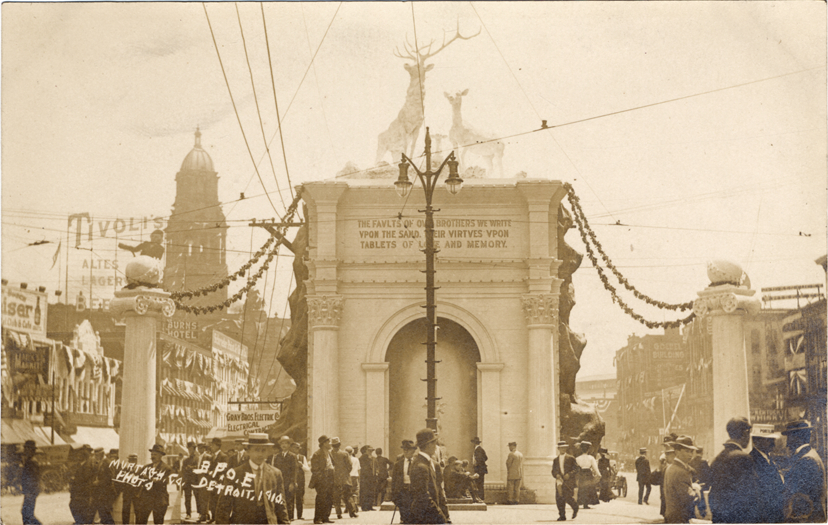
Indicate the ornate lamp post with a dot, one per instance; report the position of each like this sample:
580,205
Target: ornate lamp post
429,182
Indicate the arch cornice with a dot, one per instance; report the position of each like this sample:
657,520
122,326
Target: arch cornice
381,340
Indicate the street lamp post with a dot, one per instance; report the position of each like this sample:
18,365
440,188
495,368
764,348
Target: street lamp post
429,182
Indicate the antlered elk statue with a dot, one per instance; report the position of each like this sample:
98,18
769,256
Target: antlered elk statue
468,140
402,133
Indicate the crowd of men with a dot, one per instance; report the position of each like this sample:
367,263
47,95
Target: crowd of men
744,483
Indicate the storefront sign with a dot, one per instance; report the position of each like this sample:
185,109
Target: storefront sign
247,421
24,310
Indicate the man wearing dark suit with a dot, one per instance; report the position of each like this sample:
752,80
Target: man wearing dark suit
383,473
299,493
322,479
479,463
218,467
401,480
261,488
285,461
427,497
679,490
771,495
565,471
103,494
152,497
342,480
30,483
702,468
642,476
367,478
805,480
734,483
80,488
188,477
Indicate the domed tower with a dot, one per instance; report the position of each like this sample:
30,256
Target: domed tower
197,229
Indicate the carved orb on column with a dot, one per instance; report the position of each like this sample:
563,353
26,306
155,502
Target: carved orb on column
143,270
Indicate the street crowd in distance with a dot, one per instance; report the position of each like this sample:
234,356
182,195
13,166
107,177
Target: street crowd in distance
742,484
264,482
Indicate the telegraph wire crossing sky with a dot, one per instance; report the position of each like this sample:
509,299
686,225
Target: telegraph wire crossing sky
693,130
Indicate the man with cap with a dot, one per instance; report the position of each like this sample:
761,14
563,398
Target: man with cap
299,493
771,495
30,482
103,492
679,490
218,466
588,477
260,486
428,501
401,480
642,476
514,474
479,459
322,479
128,491
285,461
152,497
367,478
669,455
565,471
342,479
805,479
80,488
734,484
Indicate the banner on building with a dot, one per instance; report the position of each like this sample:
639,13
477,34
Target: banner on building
229,346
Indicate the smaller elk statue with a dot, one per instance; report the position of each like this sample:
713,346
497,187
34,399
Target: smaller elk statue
468,140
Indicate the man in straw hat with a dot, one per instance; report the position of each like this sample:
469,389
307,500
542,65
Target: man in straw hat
679,490
565,470
322,479
261,488
428,501
734,483
153,496
771,495
805,480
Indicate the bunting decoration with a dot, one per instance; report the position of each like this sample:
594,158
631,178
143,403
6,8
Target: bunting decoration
587,234
266,249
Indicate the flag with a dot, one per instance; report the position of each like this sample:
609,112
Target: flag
55,256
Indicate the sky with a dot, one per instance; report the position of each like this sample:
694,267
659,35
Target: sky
699,127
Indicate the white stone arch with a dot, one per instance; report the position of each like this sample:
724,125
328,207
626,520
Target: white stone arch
485,343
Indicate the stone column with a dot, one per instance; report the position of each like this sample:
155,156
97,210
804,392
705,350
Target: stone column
376,405
541,312
323,366
727,304
141,308
489,408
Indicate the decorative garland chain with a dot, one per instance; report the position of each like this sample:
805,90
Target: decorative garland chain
576,208
613,291
251,281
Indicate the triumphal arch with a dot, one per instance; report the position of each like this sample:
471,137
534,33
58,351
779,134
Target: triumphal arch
497,310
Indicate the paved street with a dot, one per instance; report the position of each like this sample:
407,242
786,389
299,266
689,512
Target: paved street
53,509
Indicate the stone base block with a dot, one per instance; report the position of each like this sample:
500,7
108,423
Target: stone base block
453,505
537,477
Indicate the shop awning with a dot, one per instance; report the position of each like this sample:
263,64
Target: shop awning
18,431
97,437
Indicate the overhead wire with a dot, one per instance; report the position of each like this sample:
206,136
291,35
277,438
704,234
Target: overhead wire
256,100
236,111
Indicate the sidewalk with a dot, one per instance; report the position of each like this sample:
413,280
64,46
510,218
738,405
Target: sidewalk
53,509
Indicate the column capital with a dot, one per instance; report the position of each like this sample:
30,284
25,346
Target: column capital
726,299
324,311
142,301
540,309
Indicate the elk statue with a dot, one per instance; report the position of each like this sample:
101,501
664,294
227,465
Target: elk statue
402,133
467,140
